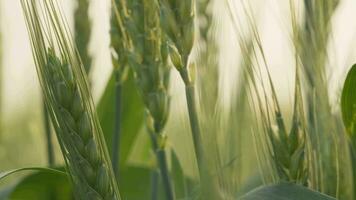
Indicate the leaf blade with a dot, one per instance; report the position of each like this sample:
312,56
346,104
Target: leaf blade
284,191
348,102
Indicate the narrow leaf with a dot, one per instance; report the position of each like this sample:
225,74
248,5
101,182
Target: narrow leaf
178,177
41,169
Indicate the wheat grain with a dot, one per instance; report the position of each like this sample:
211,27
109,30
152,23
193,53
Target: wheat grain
68,100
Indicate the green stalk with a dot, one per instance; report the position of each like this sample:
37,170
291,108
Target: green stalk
167,184
120,65
82,25
154,184
48,135
209,187
194,124
162,163
117,129
180,14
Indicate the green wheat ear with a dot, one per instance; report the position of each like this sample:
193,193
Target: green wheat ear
138,40
177,21
64,84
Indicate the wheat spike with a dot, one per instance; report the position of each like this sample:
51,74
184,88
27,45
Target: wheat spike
68,100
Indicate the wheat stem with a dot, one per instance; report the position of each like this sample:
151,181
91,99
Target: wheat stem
119,61
163,165
117,128
194,124
154,184
177,20
48,134
82,26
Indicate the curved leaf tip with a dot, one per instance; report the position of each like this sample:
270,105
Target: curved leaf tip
348,102
13,171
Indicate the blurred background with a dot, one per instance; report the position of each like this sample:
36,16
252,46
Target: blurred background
22,141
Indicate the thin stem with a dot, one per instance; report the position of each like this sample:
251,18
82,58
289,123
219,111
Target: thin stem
154,184
83,30
48,134
209,187
163,166
194,125
167,184
117,128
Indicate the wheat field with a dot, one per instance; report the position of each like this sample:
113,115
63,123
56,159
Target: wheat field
177,99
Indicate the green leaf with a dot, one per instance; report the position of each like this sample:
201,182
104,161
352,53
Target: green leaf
43,184
285,191
348,102
132,115
180,185
142,154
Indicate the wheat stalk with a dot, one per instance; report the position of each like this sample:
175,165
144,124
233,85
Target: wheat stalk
140,32
68,101
177,21
120,64
82,26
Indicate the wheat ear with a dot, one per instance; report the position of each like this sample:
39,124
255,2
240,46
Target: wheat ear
140,33
68,101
